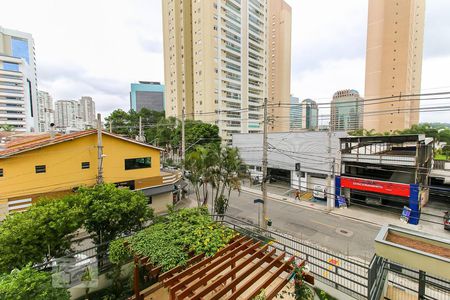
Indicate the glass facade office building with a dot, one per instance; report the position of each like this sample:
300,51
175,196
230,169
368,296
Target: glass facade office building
149,95
346,111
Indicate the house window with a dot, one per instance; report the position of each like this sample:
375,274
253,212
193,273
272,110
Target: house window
40,169
85,165
150,200
138,163
1,172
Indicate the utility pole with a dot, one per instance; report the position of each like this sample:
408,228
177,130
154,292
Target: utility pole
141,138
329,193
183,138
264,169
99,149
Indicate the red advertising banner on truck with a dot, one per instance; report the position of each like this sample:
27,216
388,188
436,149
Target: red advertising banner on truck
376,186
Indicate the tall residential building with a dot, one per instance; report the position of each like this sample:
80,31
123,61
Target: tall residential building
87,113
393,63
147,94
346,111
45,111
18,81
309,112
216,62
67,115
295,114
279,80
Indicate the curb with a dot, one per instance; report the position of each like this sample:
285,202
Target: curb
254,192
356,219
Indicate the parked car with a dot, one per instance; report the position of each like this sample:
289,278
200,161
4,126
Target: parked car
320,192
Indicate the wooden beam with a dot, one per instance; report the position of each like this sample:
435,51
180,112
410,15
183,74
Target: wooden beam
272,277
136,279
191,261
277,289
214,269
204,262
217,260
244,275
155,271
255,278
231,273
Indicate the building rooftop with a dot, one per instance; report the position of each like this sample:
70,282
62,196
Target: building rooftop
16,144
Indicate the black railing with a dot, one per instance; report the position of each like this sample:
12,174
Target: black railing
338,271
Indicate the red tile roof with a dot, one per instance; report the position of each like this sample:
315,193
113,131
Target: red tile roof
36,141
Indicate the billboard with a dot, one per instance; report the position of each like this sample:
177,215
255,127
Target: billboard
376,186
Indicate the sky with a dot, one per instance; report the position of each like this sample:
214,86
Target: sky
98,47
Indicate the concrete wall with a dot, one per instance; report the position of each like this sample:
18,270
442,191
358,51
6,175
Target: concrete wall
160,202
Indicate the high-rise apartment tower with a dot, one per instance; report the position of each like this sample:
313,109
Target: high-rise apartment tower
393,64
87,112
279,49
217,64
45,111
18,81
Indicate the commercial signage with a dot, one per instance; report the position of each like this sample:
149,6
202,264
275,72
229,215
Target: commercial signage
376,186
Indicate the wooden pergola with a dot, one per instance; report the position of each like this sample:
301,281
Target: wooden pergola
239,271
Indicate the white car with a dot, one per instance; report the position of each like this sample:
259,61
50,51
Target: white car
320,192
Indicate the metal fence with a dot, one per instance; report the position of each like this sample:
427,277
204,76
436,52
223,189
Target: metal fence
338,271
403,281
356,278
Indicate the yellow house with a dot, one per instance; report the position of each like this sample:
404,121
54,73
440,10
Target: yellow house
33,166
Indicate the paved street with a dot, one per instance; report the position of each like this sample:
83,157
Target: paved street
332,232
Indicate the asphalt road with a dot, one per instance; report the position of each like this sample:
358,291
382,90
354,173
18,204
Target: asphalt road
352,238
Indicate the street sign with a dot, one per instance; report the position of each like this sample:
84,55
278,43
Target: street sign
258,201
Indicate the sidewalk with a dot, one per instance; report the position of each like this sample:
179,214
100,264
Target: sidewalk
361,214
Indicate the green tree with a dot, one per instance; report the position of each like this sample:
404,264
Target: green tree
218,167
38,234
111,211
200,164
127,123
121,123
28,283
230,170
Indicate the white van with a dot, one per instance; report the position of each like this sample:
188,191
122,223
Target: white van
320,192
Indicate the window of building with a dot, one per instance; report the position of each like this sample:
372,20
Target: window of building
40,169
85,165
20,48
10,66
1,172
138,163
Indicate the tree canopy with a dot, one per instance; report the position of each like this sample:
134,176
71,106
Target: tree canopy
127,123
219,167
44,231
440,132
110,211
39,233
28,283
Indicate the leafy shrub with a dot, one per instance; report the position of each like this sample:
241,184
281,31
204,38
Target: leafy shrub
168,244
28,283
118,252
